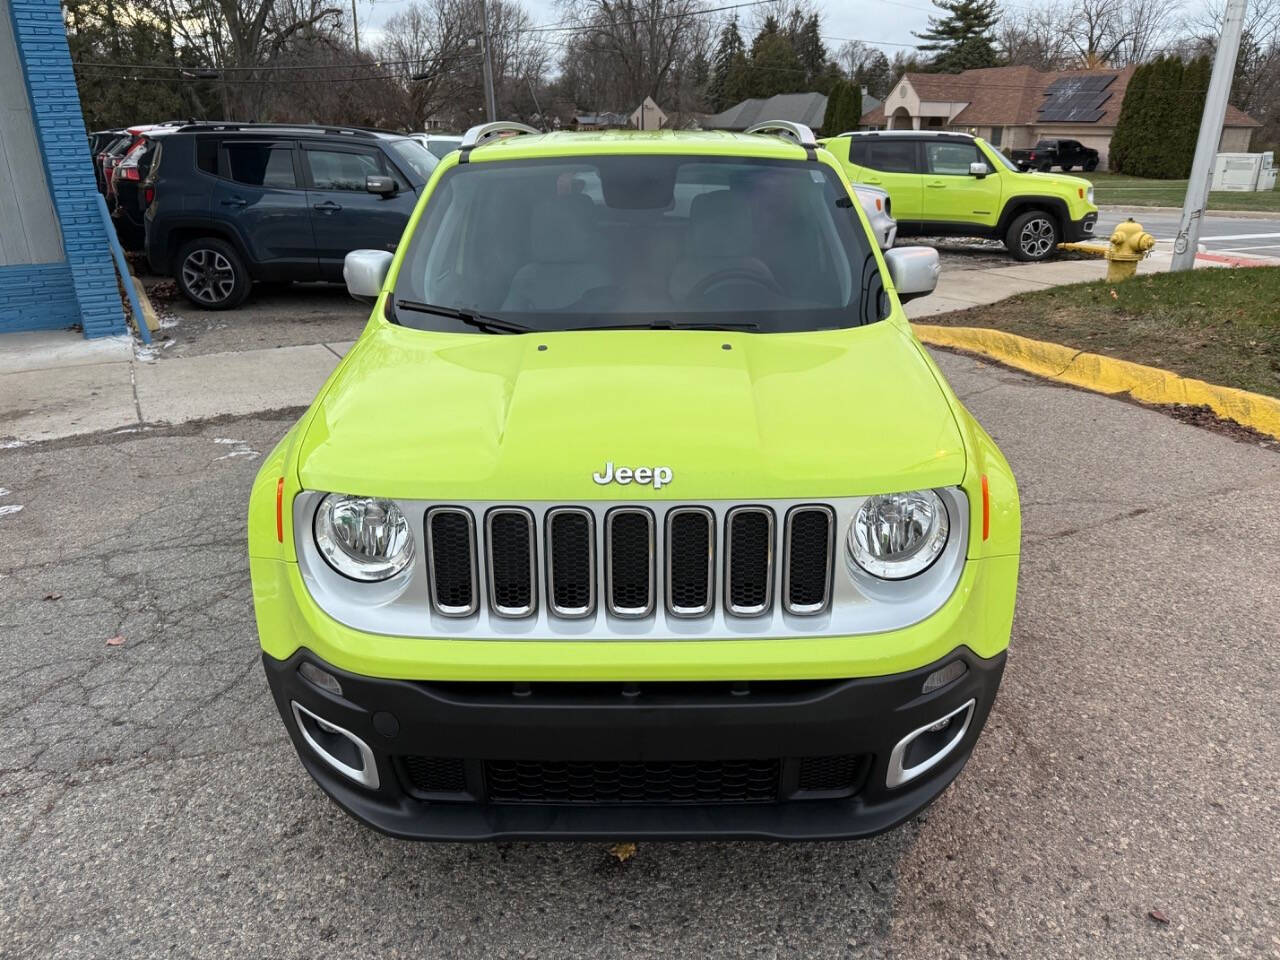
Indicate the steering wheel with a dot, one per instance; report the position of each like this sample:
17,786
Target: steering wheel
734,275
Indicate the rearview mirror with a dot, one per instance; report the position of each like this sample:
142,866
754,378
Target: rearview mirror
913,270
383,186
978,169
365,272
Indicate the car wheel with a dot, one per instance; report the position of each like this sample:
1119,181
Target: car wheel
1033,236
1046,167
211,274
1091,164
1067,168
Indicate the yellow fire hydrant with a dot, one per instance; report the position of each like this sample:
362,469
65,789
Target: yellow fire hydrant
1129,244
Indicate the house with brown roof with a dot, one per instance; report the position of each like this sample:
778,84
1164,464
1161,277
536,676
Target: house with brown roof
1016,106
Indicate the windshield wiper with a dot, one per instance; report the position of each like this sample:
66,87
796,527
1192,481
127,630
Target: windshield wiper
673,325
469,317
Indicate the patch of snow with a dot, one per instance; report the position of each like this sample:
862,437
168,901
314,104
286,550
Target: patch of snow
226,440
10,508
145,354
10,444
4,491
246,452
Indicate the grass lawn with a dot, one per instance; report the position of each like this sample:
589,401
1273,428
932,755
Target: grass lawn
1218,325
1115,188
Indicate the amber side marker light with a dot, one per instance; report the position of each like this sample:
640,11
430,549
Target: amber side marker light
986,508
280,508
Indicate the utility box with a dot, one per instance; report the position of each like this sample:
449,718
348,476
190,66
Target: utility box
1236,171
1267,172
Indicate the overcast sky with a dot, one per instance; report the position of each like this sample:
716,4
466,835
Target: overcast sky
887,24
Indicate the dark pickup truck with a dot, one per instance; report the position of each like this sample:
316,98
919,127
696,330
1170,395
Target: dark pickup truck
1047,154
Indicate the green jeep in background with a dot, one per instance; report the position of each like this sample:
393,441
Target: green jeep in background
952,184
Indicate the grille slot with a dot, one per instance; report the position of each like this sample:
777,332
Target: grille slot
451,556
632,782
806,586
690,561
629,562
748,561
571,562
512,562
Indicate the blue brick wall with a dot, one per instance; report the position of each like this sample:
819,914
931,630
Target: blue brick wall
41,296
55,107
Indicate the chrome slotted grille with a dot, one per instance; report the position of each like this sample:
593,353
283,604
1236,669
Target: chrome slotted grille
639,561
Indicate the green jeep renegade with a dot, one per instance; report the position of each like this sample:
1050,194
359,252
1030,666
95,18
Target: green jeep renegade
637,509
952,184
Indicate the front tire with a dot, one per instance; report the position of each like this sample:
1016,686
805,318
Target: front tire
1033,236
1091,164
211,275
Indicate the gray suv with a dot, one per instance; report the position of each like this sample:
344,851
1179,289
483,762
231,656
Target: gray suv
230,204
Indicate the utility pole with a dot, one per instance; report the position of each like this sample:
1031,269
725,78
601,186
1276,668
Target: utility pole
1186,242
490,107
355,26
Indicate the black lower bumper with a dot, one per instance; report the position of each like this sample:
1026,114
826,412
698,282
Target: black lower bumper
1074,231
798,760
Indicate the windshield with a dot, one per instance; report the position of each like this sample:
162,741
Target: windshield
577,242
412,155
443,146
1008,164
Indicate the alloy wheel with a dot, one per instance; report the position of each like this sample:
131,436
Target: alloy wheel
208,276
1037,237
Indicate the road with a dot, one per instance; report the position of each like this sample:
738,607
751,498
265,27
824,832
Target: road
153,807
1221,232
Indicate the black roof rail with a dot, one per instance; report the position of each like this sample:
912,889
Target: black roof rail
223,126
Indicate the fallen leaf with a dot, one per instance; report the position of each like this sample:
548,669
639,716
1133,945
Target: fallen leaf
53,596
116,641
623,851
1158,916
1114,295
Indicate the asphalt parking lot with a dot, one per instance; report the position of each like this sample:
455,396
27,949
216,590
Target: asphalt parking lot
154,807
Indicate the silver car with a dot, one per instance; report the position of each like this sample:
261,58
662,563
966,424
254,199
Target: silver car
876,205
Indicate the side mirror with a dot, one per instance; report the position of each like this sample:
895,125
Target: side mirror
365,272
976,169
382,186
913,270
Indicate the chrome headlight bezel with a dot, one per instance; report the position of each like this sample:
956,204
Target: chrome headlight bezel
335,538
921,516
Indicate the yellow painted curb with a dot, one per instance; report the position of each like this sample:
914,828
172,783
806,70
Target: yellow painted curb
1093,371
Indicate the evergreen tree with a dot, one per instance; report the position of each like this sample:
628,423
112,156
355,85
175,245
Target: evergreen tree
725,87
1129,126
963,39
1195,89
1164,108
835,112
876,75
774,66
811,51
853,107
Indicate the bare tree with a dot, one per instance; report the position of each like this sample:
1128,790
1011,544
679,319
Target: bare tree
1034,37
1095,29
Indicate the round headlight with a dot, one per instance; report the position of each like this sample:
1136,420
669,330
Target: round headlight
897,535
362,537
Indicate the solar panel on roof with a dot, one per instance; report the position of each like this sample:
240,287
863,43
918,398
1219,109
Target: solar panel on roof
1076,99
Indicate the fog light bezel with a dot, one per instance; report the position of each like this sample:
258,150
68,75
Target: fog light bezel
897,774
367,776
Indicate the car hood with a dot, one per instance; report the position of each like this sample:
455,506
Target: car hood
418,415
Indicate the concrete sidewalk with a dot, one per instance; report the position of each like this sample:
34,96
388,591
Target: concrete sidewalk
55,385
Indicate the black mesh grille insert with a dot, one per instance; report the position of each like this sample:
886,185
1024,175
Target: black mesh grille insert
511,558
601,782
831,774
808,560
571,564
451,560
689,543
435,774
630,561
749,559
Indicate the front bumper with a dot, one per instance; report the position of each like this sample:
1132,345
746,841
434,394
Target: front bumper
1082,229
798,760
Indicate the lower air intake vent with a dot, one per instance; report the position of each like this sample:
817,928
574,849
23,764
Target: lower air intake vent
591,782
435,774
